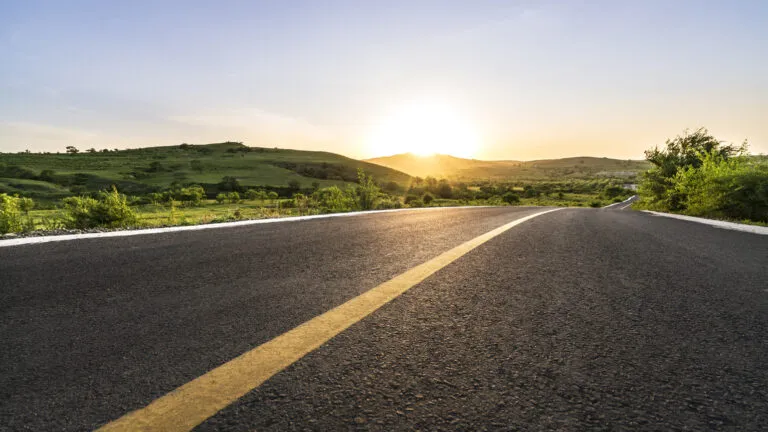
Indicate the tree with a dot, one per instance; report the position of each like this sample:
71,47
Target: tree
91,150
230,184
681,153
233,197
252,194
72,150
367,191
191,196
221,197
294,185
26,204
427,198
444,190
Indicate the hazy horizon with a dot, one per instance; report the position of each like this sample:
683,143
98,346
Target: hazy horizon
488,80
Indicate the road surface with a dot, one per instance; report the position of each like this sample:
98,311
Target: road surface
575,319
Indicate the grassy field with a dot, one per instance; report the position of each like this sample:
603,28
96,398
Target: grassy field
459,169
210,211
141,171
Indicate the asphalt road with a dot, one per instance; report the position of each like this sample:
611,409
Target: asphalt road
577,319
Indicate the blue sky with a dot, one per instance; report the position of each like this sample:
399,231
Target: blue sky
535,79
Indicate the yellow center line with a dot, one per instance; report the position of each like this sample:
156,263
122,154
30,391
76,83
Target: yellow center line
191,404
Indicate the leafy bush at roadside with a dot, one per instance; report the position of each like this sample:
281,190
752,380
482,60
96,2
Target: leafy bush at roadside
333,200
734,188
14,214
110,210
697,175
10,214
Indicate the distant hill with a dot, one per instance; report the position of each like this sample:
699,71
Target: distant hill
144,170
472,169
438,165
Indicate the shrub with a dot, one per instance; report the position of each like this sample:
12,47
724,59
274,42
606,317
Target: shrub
657,186
252,194
411,199
389,203
511,198
230,184
427,198
10,214
530,192
367,191
26,205
444,190
233,197
191,196
734,188
221,197
613,191
414,201
332,199
110,210
595,204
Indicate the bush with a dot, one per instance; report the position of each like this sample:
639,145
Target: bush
26,205
10,214
233,197
191,196
415,203
657,187
252,194
428,198
530,192
389,203
221,197
511,198
367,191
595,204
333,200
613,191
726,188
411,198
110,210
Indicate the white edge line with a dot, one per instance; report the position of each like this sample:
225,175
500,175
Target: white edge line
754,229
620,203
135,232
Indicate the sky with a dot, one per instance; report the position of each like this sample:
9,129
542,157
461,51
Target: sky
530,79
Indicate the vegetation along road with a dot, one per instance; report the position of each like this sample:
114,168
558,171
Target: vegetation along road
439,319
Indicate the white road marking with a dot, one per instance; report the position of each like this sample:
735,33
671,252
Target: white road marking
620,203
134,232
754,229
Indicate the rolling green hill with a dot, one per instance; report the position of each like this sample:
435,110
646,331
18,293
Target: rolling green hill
473,169
145,170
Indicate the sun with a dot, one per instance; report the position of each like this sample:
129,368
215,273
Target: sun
424,129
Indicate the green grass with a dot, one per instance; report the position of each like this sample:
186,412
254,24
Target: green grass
130,170
160,215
